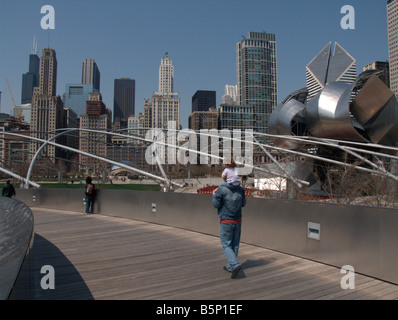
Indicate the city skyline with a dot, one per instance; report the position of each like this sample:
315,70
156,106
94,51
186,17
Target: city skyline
127,39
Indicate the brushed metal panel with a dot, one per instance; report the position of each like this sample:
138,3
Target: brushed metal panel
383,123
370,100
282,120
328,114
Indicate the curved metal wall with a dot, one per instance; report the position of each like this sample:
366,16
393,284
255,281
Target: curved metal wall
16,236
363,237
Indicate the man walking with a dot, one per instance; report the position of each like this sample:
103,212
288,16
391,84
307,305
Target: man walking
8,190
89,192
229,200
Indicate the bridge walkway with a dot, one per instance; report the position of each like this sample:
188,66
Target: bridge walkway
109,258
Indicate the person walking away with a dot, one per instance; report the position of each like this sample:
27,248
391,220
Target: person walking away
8,190
89,191
229,200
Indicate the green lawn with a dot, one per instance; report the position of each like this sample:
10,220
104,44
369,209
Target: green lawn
144,187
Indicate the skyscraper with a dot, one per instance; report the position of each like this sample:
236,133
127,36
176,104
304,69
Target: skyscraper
47,108
48,73
325,68
231,95
99,117
165,105
30,79
91,73
203,100
124,98
392,24
257,76
166,75
76,96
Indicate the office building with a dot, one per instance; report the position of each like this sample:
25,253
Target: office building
47,107
14,151
233,117
76,96
165,104
166,76
91,73
257,76
71,121
203,120
123,99
30,80
392,24
203,100
326,67
97,117
231,95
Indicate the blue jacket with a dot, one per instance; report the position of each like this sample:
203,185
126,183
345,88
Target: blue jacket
229,200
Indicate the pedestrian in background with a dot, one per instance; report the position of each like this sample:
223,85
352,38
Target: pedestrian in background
8,190
90,192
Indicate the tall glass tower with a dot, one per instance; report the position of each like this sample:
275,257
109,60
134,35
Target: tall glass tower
124,98
257,76
392,22
30,79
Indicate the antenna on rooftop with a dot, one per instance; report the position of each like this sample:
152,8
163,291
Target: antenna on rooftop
34,48
49,38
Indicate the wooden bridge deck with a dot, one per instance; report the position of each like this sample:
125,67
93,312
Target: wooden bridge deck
107,258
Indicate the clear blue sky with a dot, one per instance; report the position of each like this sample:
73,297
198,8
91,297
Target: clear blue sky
128,38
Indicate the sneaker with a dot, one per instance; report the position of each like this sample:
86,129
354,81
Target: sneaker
225,268
235,272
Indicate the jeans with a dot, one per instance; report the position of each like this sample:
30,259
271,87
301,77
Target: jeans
230,239
89,204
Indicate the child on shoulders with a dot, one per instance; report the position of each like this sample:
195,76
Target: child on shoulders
230,174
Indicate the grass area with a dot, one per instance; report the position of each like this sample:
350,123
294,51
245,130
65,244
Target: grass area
143,187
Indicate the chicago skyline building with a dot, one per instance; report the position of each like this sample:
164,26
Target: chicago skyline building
97,117
47,107
231,95
123,99
166,76
257,76
30,80
76,96
234,117
326,67
165,104
392,25
203,100
91,74
199,120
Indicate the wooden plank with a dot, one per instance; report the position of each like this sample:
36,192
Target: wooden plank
100,257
